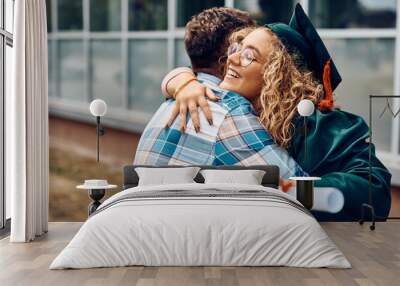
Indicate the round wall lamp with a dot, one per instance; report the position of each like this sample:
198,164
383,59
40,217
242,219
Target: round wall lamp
98,108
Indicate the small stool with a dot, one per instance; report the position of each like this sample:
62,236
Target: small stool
96,192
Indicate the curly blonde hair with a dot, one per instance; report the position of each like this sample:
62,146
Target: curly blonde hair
284,87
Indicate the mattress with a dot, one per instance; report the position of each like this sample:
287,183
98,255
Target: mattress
201,225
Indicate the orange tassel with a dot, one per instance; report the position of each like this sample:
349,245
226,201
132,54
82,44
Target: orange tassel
285,185
327,103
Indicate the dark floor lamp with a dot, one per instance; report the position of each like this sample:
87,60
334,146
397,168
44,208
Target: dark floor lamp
369,206
98,108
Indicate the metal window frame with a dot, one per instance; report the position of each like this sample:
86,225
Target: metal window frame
125,52
395,150
2,125
6,39
118,116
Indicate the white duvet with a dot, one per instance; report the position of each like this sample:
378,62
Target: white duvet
183,231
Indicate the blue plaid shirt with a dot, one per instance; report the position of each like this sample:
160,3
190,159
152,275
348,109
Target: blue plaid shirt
235,138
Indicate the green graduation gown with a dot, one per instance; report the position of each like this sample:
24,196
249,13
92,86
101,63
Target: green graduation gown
338,152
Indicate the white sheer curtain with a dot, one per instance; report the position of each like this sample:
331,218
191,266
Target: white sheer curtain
27,123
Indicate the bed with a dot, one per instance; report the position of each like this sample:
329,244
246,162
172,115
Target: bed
201,224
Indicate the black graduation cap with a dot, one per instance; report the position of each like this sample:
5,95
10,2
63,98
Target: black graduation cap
300,36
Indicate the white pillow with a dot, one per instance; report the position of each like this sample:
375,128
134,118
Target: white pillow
166,176
248,177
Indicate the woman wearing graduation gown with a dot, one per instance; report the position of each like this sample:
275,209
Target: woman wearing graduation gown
337,146
336,140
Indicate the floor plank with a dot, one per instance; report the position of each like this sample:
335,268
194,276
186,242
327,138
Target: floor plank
374,255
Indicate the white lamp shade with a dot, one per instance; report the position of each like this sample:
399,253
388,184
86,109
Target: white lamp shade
98,107
305,107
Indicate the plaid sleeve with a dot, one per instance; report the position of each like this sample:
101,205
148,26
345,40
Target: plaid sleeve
242,140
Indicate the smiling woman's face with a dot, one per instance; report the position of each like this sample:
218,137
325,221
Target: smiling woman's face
248,81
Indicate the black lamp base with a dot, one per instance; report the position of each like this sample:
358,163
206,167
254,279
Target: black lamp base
372,210
96,195
305,193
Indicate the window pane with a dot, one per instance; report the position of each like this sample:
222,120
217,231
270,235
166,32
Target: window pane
267,11
148,15
105,15
9,15
72,70
147,67
353,13
181,57
366,67
186,9
70,15
106,71
48,15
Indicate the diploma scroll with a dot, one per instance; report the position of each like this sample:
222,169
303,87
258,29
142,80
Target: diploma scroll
329,200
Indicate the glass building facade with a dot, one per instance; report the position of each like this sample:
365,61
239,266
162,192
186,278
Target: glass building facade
119,50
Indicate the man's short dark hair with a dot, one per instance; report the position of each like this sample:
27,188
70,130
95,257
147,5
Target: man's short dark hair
207,34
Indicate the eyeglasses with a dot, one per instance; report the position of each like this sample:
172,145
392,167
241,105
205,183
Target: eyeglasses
246,55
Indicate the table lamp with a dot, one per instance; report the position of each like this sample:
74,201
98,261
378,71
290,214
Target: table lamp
98,108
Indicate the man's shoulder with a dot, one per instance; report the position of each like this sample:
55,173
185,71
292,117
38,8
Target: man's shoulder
236,104
161,115
231,101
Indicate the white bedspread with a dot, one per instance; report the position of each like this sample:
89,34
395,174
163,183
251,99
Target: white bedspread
182,231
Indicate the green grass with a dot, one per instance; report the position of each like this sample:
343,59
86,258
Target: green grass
67,170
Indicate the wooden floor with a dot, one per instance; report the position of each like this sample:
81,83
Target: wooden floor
374,255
